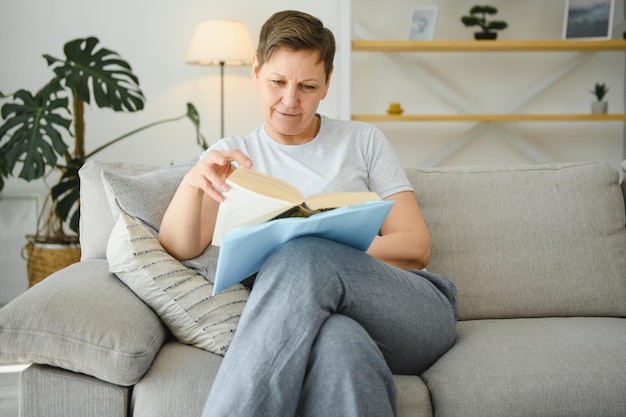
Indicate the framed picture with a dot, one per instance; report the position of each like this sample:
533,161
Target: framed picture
422,25
588,19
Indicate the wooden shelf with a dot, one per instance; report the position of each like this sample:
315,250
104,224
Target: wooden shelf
488,117
487,46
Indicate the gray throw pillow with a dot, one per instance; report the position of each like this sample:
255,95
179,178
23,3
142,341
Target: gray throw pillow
83,319
95,220
146,197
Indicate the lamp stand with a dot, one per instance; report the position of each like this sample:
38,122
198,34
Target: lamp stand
222,63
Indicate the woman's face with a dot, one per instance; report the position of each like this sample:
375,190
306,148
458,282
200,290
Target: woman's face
290,86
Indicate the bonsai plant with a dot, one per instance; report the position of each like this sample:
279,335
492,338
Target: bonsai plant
37,128
478,17
599,106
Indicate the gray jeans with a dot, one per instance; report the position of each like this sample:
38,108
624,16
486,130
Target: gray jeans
325,328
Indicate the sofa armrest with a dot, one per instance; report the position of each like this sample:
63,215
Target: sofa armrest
624,182
85,320
70,394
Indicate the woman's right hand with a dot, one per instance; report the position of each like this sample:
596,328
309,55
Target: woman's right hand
213,170
188,223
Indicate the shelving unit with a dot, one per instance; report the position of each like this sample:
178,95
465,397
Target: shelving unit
486,46
394,46
489,117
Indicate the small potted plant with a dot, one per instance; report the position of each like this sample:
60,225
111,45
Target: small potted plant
599,105
478,17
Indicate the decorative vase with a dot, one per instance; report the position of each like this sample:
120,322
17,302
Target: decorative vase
395,109
485,35
599,107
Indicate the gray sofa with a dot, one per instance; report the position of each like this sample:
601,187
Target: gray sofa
538,254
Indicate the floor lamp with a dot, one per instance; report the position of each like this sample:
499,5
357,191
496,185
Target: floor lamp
223,43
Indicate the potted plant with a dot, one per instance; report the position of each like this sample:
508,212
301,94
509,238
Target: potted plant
37,128
478,17
599,105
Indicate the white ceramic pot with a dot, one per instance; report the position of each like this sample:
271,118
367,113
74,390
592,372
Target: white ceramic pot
599,107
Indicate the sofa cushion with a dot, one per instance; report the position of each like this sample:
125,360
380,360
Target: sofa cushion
528,241
95,215
177,384
532,367
144,196
181,297
413,397
83,319
181,376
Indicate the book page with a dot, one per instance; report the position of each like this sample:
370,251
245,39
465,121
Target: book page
266,185
334,200
243,206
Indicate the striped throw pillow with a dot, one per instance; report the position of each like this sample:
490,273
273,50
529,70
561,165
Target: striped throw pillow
178,295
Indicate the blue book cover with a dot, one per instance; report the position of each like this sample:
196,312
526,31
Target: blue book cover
244,249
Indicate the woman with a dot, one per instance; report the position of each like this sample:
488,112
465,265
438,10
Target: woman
325,326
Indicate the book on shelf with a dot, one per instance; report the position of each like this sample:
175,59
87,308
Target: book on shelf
261,213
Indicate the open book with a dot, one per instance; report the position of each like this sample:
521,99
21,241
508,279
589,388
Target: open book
249,235
255,197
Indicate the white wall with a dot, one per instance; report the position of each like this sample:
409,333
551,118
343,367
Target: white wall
153,37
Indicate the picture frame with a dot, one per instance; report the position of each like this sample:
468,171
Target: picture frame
588,19
423,22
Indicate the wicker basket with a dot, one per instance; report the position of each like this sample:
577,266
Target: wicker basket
44,259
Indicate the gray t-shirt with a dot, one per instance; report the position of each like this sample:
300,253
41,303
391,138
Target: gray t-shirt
344,156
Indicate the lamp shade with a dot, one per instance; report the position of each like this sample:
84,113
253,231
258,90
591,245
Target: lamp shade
220,41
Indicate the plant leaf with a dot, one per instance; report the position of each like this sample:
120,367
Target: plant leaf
32,133
66,194
194,116
99,72
4,173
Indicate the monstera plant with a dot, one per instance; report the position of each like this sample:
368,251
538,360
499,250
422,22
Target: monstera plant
45,132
